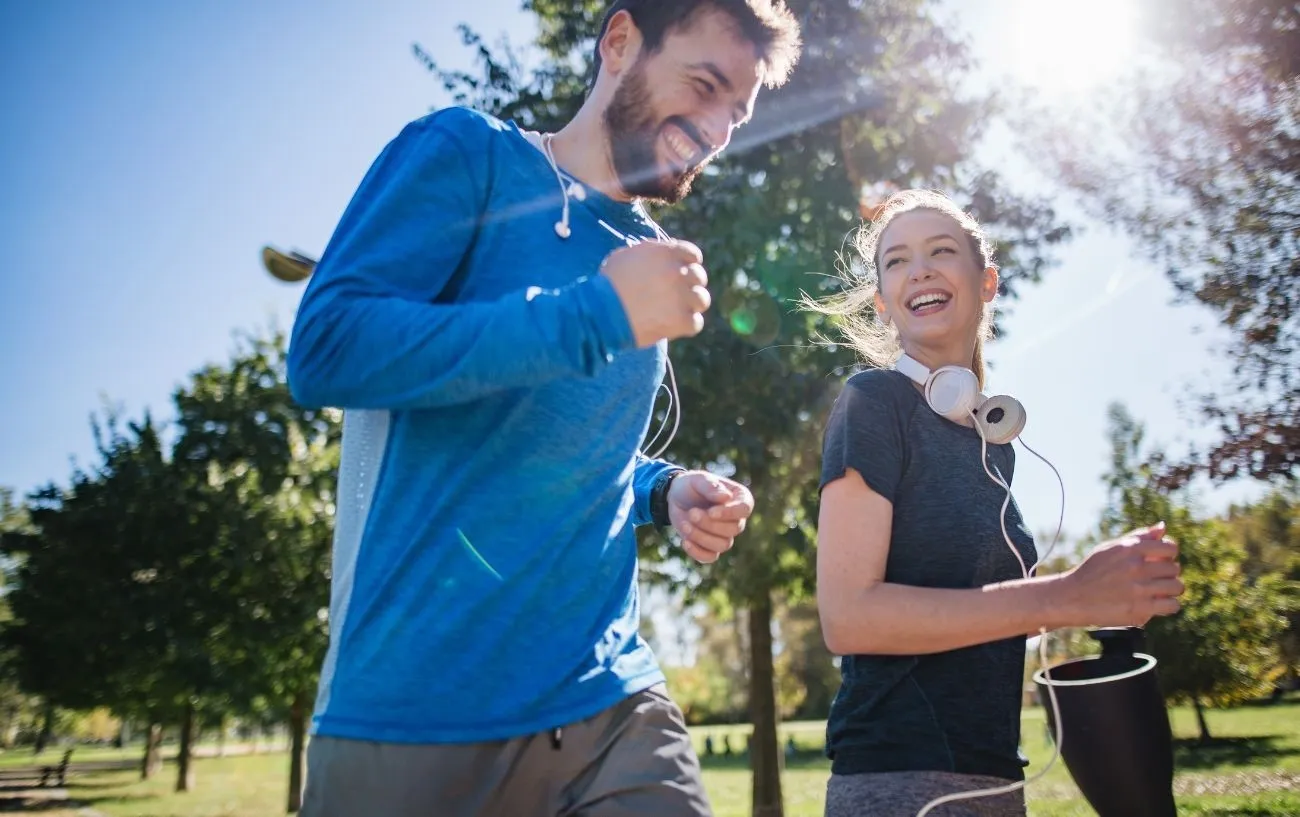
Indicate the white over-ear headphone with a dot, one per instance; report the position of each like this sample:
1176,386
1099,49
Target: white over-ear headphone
954,392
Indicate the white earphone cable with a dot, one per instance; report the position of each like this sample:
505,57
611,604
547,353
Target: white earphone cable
563,230
1043,634
674,406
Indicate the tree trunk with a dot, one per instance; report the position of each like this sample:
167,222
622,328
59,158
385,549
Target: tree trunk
765,752
47,728
297,749
184,766
1200,720
221,736
152,763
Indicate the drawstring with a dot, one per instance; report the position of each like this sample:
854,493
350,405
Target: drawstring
557,736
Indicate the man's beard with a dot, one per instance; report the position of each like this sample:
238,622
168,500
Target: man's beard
633,135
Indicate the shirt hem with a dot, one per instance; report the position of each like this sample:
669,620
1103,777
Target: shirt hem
331,726
847,762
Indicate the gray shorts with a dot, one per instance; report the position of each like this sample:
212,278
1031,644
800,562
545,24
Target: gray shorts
632,759
904,794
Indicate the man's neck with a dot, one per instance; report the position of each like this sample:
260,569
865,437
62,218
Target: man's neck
581,149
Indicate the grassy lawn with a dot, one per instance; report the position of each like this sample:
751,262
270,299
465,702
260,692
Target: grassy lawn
1253,771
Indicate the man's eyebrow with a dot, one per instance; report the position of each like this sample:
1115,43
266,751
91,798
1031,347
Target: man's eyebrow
713,69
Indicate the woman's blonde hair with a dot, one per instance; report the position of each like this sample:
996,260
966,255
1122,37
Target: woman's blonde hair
855,306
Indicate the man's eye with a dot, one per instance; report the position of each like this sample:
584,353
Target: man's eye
705,86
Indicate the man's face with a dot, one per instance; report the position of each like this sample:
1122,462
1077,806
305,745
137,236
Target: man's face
676,109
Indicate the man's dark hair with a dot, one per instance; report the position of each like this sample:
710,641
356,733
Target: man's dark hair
768,24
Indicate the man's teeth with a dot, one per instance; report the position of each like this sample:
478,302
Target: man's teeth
924,300
680,147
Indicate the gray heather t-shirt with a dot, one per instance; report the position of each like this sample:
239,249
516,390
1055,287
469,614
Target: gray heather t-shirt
956,711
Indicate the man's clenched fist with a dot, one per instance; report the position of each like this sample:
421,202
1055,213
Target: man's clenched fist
662,287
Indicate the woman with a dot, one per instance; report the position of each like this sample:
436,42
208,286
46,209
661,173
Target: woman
918,588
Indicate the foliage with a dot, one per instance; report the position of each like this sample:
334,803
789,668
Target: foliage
1221,647
158,583
1269,531
1197,155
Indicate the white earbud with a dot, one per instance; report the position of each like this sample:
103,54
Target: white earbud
575,190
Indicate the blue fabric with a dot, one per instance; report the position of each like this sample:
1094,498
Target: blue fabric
489,589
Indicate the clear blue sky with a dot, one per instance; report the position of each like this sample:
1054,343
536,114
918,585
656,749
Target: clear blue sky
148,150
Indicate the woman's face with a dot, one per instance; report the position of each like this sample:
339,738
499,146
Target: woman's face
931,282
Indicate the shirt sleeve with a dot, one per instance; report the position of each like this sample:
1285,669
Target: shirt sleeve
371,331
865,432
644,477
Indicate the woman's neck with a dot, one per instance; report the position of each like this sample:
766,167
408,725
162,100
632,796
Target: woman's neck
936,356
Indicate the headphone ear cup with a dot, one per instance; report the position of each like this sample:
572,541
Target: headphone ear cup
1001,418
952,391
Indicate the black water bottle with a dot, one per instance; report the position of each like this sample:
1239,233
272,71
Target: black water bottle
1117,742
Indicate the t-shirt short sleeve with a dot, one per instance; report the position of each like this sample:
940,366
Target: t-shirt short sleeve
865,432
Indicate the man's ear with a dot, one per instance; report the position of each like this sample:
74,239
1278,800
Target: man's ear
621,45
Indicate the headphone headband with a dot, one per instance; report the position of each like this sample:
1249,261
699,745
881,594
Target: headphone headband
913,369
954,392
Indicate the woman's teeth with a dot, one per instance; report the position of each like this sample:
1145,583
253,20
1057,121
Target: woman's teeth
929,299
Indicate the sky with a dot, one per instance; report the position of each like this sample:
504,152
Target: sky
147,156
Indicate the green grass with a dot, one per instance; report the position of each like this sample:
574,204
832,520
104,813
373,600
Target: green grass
53,754
1253,771
1256,748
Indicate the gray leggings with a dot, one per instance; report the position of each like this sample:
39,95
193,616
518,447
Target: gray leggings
904,794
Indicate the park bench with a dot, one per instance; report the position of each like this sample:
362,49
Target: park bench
61,770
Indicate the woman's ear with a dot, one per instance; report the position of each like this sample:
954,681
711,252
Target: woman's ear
881,312
989,284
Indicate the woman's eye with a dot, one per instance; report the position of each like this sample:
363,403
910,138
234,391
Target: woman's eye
938,250
892,261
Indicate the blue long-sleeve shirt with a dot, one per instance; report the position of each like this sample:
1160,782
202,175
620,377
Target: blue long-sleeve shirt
484,573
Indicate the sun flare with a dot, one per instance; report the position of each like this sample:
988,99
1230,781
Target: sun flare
1062,48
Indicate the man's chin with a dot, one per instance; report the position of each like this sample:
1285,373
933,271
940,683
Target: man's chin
664,188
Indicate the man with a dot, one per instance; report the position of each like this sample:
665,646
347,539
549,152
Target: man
492,312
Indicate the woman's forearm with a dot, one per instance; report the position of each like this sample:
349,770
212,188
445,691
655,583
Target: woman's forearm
897,619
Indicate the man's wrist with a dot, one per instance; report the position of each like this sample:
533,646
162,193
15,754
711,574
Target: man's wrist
659,496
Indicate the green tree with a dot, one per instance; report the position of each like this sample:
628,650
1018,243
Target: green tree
208,563
1221,648
1269,530
80,629
808,676
15,705
875,104
1197,156
273,463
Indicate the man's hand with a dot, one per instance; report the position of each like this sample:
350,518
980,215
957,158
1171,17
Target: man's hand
709,512
662,286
